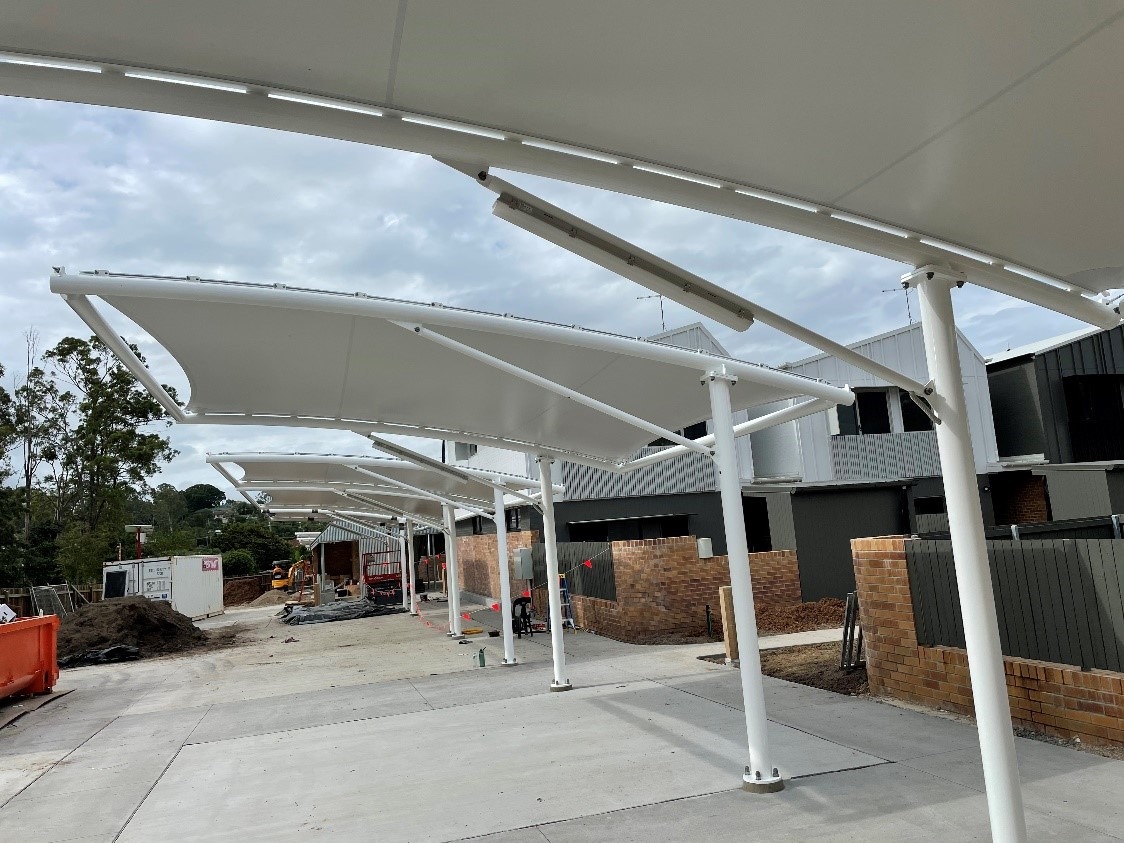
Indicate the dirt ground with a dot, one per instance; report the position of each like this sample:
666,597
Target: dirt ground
816,665
240,591
152,626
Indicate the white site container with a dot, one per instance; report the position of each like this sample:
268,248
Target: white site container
192,584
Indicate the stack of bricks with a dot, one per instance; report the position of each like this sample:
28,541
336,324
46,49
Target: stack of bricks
476,562
1056,699
663,588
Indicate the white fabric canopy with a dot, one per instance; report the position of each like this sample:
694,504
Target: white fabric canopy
370,364
990,126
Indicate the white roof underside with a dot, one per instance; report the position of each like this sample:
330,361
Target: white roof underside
993,126
309,480
243,347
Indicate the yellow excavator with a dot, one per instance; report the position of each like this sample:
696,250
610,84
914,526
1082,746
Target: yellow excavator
280,577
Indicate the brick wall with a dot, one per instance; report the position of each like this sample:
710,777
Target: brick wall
663,589
1019,498
476,562
1053,698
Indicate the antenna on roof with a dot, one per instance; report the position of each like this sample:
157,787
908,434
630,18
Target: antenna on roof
663,321
908,307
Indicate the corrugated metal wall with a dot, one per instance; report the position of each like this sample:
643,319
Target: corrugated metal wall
1099,354
689,473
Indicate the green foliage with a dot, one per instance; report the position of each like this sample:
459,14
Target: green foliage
202,496
106,446
83,431
238,563
173,543
254,537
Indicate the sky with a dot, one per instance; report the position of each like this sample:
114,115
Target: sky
98,188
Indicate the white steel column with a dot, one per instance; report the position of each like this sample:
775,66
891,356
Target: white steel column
451,573
500,518
413,566
553,591
403,567
323,573
760,775
969,550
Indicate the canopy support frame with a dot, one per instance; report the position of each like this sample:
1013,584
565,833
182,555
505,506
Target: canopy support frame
760,776
553,589
500,519
556,388
970,559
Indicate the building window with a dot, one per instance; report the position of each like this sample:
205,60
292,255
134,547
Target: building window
512,516
463,450
913,417
868,415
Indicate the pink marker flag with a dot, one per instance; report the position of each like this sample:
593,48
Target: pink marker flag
588,563
466,616
527,593
495,607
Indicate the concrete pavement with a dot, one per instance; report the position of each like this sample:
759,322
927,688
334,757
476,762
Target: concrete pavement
383,729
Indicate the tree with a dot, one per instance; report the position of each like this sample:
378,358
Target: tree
238,563
203,496
254,537
168,507
106,450
171,543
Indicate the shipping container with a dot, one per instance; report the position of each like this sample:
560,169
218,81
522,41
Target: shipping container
192,584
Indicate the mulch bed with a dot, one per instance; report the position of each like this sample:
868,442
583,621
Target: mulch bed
152,626
816,665
822,614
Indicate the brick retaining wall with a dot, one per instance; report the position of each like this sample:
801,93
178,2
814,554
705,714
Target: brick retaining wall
663,589
476,562
1057,699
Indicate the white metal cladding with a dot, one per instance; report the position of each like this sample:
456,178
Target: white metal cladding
947,120
810,439
688,473
239,369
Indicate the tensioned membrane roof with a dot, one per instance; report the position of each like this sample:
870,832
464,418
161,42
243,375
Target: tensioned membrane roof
370,364
344,469
980,133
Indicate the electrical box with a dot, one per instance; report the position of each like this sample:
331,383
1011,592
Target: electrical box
524,568
706,548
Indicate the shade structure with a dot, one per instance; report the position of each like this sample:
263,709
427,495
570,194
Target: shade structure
958,132
372,475
532,386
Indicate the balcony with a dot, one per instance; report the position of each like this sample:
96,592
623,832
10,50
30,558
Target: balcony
885,456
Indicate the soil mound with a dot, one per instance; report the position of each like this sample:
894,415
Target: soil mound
273,597
152,626
823,614
237,592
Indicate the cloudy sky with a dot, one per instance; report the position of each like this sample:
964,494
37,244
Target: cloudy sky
96,188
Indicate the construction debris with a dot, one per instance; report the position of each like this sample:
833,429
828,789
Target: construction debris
346,610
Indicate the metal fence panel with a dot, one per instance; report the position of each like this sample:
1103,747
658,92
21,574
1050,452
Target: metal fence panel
1058,600
596,581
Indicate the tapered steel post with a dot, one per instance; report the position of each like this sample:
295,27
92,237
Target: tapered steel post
451,572
760,775
413,566
504,563
969,550
553,591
